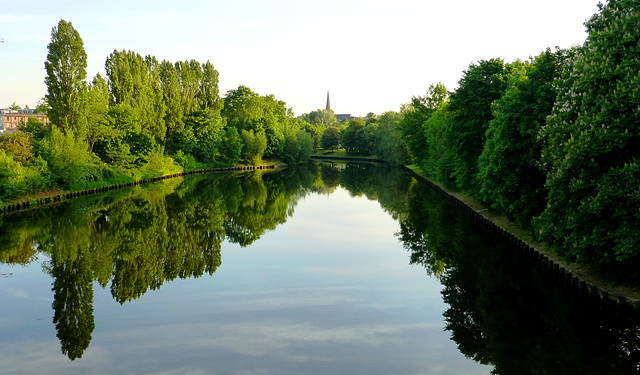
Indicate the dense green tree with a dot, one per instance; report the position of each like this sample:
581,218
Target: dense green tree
21,172
246,110
389,144
35,127
207,130
242,109
330,138
174,114
371,118
276,118
509,172
349,136
209,94
231,147
155,125
324,117
190,73
470,113
66,71
71,165
367,138
315,131
305,140
439,160
136,84
298,145
115,148
19,145
98,126
592,146
291,148
254,145
414,116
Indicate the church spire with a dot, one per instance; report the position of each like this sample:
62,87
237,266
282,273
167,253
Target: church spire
328,103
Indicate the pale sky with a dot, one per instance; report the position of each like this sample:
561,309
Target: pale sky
371,55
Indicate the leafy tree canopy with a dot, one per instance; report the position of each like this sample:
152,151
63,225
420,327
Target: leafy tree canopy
592,146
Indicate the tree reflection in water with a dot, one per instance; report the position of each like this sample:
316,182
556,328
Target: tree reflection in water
505,312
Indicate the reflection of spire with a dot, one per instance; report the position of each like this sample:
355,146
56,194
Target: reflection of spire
328,104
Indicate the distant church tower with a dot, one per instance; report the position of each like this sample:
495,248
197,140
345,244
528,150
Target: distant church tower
328,103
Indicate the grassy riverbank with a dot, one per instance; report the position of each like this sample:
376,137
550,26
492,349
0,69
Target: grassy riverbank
120,180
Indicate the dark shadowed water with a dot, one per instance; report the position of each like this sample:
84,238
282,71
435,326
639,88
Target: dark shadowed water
325,269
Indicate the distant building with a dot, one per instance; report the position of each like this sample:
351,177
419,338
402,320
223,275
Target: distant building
341,117
9,119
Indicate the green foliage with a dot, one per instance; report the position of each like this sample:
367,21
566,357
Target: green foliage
419,111
125,143
66,70
242,109
35,128
172,93
134,83
330,138
366,139
322,117
158,165
231,147
11,175
470,113
254,145
246,110
509,175
315,131
42,106
592,146
18,145
208,130
349,139
98,126
438,162
70,162
17,179
388,142
298,146
306,142
187,161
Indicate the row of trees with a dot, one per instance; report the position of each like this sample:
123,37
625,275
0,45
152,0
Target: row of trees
138,121
553,142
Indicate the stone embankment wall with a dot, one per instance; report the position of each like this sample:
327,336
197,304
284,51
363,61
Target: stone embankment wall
550,267
57,198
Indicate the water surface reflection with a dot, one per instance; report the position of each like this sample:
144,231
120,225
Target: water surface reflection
314,281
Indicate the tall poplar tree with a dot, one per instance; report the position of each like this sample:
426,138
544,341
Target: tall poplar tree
66,71
97,111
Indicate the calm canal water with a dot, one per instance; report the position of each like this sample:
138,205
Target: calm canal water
324,269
